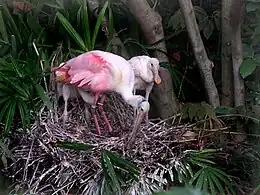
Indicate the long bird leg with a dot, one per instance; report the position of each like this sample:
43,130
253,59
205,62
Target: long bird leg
93,101
100,107
94,114
147,93
135,110
66,95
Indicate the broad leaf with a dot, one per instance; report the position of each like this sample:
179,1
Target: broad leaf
247,67
248,51
208,29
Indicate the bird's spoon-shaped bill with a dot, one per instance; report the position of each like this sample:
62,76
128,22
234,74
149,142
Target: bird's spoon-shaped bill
141,111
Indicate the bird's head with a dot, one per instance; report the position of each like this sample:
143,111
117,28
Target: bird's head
142,106
154,66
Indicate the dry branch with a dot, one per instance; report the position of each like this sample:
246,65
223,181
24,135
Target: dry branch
236,18
226,55
151,24
205,65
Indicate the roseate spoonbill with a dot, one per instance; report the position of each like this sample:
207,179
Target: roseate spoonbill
101,72
146,70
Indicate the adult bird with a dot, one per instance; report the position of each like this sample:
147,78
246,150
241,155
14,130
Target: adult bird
146,70
100,72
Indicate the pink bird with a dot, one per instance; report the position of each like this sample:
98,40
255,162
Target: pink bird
101,72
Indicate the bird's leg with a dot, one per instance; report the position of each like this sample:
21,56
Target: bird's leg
147,93
88,98
87,113
94,114
100,107
66,95
135,110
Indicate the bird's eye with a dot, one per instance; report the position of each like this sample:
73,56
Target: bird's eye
151,64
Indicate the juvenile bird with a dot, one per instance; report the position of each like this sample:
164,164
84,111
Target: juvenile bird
146,70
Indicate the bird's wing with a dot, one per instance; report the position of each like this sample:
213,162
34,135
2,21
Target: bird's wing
89,71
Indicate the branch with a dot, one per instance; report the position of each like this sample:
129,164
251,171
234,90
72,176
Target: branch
236,18
226,55
205,65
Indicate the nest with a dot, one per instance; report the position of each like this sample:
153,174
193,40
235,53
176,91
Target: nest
42,167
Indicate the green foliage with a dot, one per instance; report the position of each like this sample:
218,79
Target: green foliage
250,62
18,32
86,43
208,178
198,111
19,90
182,190
117,172
207,24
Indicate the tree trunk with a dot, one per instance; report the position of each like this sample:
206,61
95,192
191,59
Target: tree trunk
236,19
117,45
226,55
205,65
151,24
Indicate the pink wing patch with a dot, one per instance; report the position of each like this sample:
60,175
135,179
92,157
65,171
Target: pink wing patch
90,71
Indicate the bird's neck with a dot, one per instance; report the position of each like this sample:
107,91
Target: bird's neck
130,98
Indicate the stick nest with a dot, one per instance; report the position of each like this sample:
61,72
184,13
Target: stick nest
44,168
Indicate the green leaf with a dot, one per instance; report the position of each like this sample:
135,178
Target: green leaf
43,96
85,23
216,182
257,59
24,114
9,117
71,31
98,23
74,145
211,185
208,29
110,23
256,40
247,67
252,6
224,110
3,28
183,191
248,51
108,168
257,30
124,164
8,17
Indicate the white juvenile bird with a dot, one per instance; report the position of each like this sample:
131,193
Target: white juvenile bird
71,92
146,70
